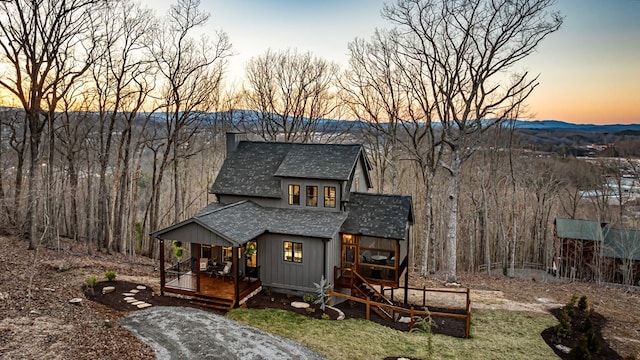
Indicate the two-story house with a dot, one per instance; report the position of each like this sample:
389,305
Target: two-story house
287,214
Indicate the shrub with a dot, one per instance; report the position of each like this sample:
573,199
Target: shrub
110,275
91,281
563,329
310,309
308,298
580,351
571,306
326,316
583,304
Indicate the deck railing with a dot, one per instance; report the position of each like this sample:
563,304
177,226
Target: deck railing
181,280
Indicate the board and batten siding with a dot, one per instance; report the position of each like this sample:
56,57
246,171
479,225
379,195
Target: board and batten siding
196,234
277,273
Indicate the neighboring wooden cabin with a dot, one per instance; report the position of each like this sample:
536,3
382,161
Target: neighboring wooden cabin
287,214
590,250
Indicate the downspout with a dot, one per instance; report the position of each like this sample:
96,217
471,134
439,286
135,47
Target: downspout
324,259
162,279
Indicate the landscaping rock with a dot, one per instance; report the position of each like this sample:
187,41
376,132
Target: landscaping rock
405,320
143,305
141,287
299,305
76,301
108,289
564,349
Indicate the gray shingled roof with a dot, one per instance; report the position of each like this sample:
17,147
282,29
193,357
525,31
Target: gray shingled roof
255,168
246,220
622,243
376,215
579,229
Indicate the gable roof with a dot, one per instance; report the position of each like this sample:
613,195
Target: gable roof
255,168
246,220
580,229
622,243
378,215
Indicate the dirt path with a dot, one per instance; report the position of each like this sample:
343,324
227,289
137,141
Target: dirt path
187,333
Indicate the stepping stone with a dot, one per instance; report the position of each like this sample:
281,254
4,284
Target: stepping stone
299,305
134,291
131,300
136,303
141,287
108,289
128,294
143,305
76,301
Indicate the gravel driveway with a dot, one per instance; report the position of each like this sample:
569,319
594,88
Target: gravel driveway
188,333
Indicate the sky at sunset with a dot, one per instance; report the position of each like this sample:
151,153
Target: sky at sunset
589,70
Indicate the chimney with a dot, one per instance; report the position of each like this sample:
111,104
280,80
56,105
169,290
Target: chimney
233,139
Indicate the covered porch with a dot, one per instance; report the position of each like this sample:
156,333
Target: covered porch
206,263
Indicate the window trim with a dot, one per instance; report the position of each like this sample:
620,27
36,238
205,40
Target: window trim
292,195
292,252
329,199
309,197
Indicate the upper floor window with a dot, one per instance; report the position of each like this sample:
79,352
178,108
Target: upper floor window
293,251
356,186
330,196
294,194
312,196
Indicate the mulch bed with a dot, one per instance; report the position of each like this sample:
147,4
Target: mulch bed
604,352
115,300
441,325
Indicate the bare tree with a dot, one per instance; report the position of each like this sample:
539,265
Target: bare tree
464,50
47,45
191,72
292,94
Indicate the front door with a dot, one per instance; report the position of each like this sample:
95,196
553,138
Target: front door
349,251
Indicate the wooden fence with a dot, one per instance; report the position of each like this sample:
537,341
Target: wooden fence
412,312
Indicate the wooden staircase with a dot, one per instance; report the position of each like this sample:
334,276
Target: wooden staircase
213,302
361,288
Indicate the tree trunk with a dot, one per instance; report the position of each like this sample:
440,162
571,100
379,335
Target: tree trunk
452,230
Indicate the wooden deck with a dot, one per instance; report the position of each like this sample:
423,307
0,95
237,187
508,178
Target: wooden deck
213,290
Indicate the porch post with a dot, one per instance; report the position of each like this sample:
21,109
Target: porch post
162,279
236,263
406,270
196,249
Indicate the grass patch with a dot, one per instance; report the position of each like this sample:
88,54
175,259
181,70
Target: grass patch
497,334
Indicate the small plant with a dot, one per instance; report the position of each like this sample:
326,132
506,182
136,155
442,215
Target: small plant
563,329
110,275
308,298
326,316
323,293
91,281
178,250
583,304
571,306
424,325
580,350
310,310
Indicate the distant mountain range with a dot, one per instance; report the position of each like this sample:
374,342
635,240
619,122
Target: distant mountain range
561,125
